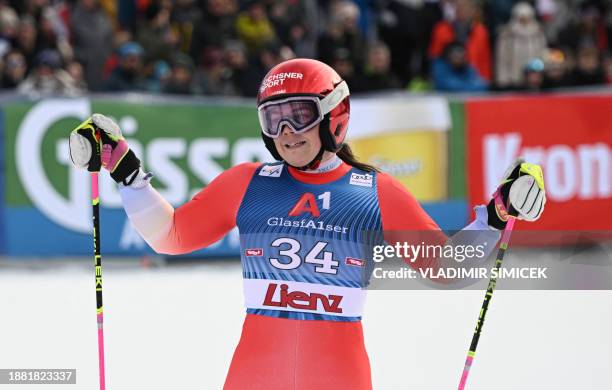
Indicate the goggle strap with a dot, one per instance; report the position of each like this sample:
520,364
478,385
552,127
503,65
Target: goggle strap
330,101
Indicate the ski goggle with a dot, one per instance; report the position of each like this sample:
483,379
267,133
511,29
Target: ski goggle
299,113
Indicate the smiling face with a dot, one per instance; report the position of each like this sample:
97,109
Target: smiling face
299,150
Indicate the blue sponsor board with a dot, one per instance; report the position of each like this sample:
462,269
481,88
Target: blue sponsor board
450,215
30,233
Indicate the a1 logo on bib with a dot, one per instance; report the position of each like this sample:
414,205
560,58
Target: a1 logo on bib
364,180
308,204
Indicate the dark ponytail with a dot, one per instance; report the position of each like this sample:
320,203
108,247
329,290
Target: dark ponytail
346,154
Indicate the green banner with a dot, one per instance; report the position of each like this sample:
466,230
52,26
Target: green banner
456,152
186,146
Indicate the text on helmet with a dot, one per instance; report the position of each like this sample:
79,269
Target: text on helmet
278,79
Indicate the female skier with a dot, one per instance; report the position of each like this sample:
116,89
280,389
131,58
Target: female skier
300,221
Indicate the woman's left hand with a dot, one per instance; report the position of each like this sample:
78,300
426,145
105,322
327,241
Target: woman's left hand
521,194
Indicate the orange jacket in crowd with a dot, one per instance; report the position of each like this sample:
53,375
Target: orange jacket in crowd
477,45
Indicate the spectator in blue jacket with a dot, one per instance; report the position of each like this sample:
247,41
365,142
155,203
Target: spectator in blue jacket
128,75
452,73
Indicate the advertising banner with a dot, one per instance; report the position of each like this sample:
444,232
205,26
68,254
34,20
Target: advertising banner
417,159
48,206
406,138
570,136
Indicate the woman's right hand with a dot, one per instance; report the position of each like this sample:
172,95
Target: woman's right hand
98,142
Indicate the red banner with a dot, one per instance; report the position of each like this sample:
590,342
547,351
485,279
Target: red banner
570,136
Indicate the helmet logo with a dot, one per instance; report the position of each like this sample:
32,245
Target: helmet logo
278,79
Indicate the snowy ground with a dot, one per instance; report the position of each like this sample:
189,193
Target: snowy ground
176,328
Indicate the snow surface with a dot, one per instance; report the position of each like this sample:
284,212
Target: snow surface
176,328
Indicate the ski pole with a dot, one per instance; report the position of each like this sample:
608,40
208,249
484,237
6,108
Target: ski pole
95,202
503,246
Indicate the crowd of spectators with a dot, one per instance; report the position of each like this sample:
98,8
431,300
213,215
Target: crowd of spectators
225,47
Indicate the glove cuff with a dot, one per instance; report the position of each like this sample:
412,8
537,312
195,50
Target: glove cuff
125,169
138,179
494,220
